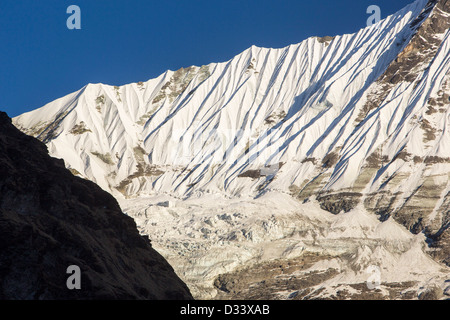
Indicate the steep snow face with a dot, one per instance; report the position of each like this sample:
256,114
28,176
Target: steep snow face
197,130
355,122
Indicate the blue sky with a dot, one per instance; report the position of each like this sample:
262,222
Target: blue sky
129,41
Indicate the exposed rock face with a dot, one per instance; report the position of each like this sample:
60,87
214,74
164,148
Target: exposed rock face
50,220
298,282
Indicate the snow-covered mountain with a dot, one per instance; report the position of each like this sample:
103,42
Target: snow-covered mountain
352,123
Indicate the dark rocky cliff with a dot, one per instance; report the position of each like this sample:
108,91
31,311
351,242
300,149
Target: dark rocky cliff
50,219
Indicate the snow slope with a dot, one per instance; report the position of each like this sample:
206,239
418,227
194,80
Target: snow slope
301,99
354,122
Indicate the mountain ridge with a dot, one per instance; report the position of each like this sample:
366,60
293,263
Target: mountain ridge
356,119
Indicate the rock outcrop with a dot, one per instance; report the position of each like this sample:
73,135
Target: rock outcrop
50,220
